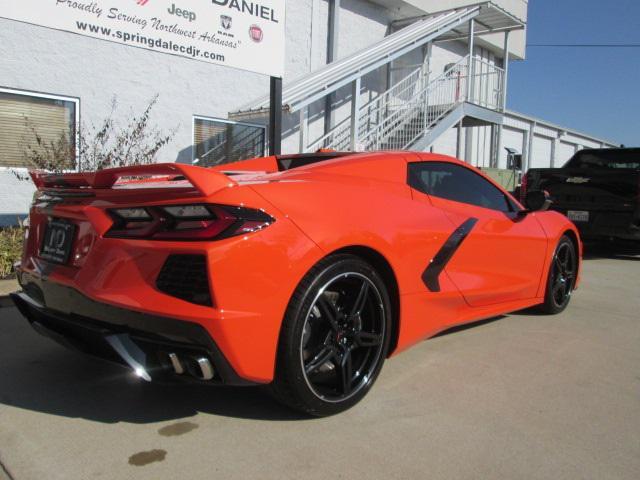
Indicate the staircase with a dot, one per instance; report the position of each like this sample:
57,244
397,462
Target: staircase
419,108
415,111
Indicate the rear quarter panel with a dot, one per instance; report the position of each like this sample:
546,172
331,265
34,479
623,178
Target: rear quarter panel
340,212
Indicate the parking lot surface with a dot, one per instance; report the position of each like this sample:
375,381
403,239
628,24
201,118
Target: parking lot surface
521,396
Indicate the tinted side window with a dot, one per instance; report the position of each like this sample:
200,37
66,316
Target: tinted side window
453,182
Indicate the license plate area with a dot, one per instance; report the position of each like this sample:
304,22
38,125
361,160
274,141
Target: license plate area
57,241
578,215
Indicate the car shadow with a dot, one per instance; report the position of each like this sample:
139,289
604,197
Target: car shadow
38,375
468,326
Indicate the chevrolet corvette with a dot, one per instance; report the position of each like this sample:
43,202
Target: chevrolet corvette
302,272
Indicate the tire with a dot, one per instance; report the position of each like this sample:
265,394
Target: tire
334,338
562,277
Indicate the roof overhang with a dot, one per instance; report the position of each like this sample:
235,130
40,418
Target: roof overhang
491,19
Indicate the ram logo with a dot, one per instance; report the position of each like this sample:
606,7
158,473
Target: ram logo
578,180
225,22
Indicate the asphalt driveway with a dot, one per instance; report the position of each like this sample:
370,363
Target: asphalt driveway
522,396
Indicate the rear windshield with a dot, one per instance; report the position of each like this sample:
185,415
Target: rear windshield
629,158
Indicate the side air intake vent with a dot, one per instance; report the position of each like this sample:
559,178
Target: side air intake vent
185,277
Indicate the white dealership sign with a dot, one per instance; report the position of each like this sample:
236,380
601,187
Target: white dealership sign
236,33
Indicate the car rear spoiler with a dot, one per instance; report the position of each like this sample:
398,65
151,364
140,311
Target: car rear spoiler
204,180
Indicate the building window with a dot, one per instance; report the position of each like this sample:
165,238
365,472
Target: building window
36,124
222,141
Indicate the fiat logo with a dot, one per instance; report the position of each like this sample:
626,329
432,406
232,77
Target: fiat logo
256,34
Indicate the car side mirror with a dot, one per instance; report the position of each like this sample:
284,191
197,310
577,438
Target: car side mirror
537,201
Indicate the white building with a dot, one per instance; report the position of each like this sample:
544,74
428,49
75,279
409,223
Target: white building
408,63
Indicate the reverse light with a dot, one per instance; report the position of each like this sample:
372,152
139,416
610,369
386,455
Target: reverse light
188,211
186,222
133,213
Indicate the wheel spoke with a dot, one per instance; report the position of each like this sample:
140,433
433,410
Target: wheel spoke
558,264
557,287
345,371
558,296
324,354
361,299
366,339
329,311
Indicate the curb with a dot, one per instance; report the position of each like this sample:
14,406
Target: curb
7,287
5,301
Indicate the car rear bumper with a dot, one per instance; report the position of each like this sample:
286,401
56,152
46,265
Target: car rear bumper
155,347
236,290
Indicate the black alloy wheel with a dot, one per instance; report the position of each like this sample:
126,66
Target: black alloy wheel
335,337
562,277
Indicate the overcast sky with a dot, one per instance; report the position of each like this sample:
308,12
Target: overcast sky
595,90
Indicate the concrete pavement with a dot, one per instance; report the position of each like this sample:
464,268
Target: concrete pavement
523,396
7,287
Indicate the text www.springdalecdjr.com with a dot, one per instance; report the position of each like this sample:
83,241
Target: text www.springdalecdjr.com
155,43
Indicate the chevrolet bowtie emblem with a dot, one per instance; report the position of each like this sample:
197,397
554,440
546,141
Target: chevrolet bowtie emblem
577,180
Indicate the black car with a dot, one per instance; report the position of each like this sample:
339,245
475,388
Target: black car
598,189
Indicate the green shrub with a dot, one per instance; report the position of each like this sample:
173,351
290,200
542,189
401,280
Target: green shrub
10,249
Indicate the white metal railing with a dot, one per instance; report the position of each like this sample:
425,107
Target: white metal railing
487,84
372,113
406,123
398,117
247,144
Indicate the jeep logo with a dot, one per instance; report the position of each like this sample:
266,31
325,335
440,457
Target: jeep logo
179,12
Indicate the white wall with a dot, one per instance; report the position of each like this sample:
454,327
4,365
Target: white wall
540,152
551,145
565,152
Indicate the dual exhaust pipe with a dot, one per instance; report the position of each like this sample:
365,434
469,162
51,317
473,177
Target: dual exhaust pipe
197,366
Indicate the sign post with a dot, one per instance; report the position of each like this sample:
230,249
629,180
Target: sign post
275,116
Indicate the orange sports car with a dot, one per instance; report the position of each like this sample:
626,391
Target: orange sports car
303,272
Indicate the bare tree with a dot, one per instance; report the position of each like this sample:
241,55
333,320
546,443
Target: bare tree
51,155
106,146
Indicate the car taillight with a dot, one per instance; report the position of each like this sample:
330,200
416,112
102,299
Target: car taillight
523,188
186,222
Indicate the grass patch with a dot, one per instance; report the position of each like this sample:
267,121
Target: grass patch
10,249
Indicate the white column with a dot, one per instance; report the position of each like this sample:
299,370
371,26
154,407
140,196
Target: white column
459,141
555,144
525,150
505,79
527,160
355,113
505,82
427,77
332,56
470,78
304,129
